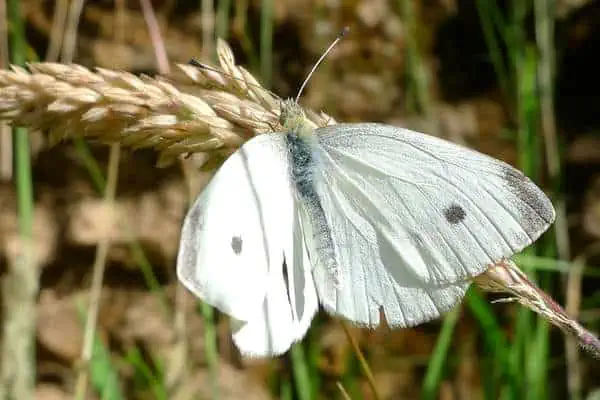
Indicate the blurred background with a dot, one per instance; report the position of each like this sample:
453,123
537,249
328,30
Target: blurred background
518,80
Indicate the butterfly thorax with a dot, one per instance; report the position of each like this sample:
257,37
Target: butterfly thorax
305,171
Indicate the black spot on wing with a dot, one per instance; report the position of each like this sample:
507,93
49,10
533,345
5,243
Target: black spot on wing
236,244
454,214
537,212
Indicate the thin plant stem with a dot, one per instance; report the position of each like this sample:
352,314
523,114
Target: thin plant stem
573,303
208,29
20,285
362,360
416,68
178,357
158,43
70,37
300,371
97,279
435,366
494,338
6,145
343,392
137,251
241,24
493,45
266,43
92,346
222,20
164,68
544,22
59,19
208,312
544,10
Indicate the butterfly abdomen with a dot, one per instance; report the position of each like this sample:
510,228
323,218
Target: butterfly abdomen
303,165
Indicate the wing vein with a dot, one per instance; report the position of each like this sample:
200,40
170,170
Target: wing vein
420,189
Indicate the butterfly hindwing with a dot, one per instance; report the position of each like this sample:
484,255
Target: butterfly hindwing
234,241
289,306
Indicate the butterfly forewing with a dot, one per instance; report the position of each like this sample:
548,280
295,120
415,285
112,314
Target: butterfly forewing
410,215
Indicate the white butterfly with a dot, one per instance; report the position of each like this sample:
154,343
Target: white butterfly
360,218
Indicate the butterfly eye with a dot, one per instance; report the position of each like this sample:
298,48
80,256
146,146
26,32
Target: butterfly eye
236,244
454,214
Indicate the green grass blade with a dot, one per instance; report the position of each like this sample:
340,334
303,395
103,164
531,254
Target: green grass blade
90,164
495,342
222,22
144,374
210,346
486,11
417,73
301,372
20,284
24,185
266,42
103,373
437,361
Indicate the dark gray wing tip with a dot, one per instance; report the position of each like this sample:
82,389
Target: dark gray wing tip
526,190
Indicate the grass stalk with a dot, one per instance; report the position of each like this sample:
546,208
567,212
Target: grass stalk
59,19
210,346
141,260
266,43
417,70
343,392
222,21
437,361
104,375
531,331
179,354
20,285
208,29
97,280
6,136
241,26
486,13
496,344
362,361
70,36
519,77
544,29
300,371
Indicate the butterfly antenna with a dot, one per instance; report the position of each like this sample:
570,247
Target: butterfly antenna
320,60
195,63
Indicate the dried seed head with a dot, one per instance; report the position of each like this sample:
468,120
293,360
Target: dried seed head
506,277
194,110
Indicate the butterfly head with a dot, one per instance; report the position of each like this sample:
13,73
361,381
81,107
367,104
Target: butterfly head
293,119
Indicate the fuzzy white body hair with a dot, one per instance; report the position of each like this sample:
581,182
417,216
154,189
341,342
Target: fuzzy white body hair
305,167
